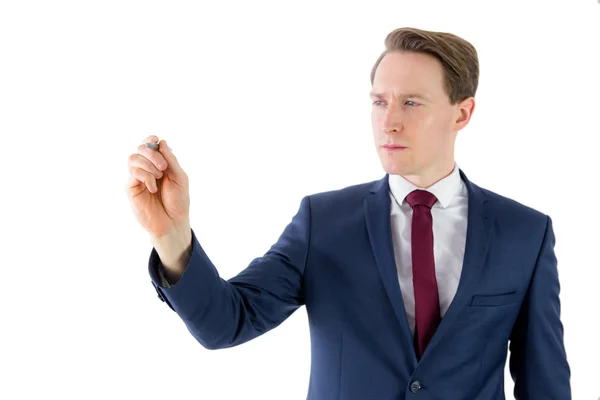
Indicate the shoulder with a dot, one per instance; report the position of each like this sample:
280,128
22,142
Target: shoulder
514,212
343,197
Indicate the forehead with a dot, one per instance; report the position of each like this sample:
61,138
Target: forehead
409,72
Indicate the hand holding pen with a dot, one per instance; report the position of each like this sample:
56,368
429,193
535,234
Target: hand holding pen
158,189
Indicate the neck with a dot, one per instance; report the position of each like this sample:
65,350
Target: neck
431,176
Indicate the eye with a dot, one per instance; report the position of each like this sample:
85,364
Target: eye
411,103
376,101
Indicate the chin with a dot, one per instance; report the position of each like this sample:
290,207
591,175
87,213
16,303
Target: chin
395,169
395,163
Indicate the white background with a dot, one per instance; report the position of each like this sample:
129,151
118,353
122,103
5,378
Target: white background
263,103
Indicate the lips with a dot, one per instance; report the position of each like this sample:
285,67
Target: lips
393,146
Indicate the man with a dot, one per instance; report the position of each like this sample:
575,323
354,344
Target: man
446,273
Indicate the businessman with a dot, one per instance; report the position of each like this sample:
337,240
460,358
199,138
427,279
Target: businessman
448,275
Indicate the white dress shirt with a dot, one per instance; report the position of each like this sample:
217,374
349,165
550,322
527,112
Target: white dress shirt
449,216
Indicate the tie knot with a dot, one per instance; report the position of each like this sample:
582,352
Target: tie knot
421,198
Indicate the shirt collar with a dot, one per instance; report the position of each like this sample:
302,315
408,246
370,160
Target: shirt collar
444,189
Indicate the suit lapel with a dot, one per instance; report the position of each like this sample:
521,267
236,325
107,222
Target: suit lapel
378,221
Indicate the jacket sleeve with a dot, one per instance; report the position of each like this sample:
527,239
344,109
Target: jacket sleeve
220,313
538,361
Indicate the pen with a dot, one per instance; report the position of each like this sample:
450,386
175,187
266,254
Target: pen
154,146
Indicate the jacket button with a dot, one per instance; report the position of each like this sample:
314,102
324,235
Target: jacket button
415,386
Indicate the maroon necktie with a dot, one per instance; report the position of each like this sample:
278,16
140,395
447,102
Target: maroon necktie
427,303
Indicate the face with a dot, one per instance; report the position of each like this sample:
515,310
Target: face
410,108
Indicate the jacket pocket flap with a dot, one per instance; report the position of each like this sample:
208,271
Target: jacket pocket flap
483,300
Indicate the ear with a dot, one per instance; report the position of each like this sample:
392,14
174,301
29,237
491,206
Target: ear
465,110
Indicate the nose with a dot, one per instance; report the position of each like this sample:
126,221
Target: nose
392,121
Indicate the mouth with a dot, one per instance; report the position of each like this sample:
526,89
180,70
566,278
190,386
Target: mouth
393,147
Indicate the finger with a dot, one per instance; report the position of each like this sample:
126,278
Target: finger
154,156
139,161
145,177
171,160
133,183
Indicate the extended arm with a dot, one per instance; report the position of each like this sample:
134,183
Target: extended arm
222,313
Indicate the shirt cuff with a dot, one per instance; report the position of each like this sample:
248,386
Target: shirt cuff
164,282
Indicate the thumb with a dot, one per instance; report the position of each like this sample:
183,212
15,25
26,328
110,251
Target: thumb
173,164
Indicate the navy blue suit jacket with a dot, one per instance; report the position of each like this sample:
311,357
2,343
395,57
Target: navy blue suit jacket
336,258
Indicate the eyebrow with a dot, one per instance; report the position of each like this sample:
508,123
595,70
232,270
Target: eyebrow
402,95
